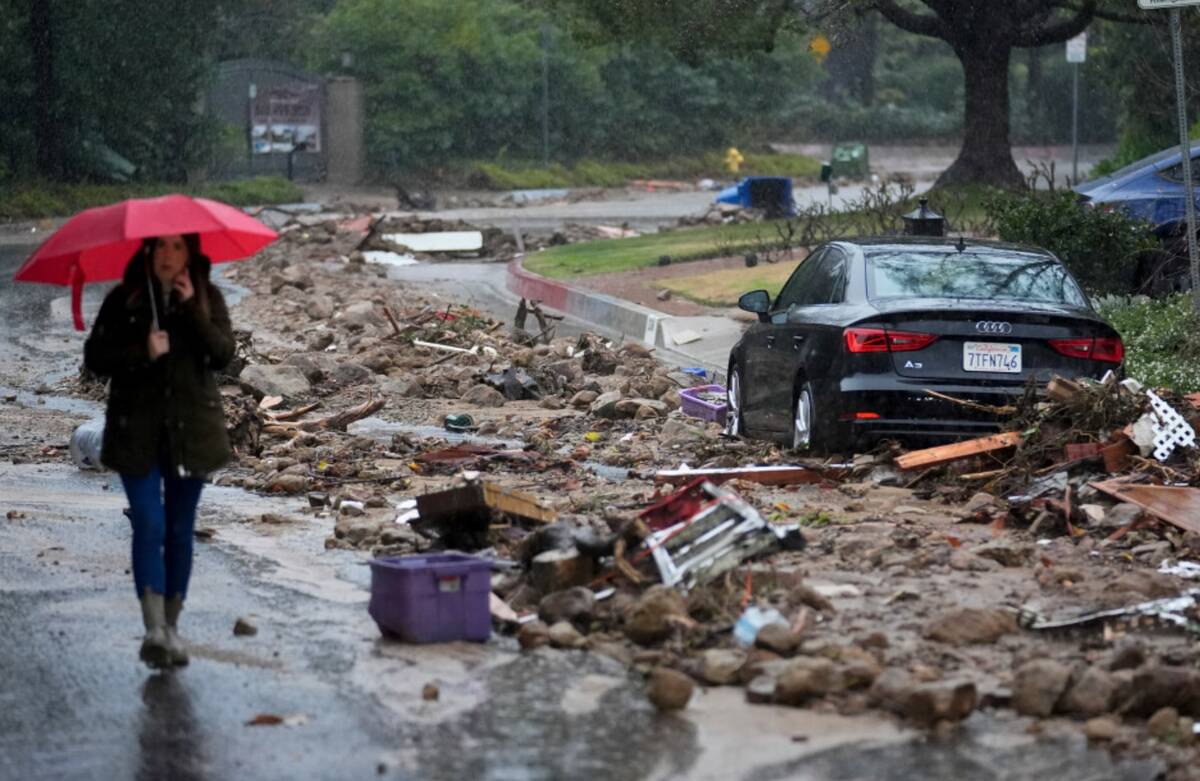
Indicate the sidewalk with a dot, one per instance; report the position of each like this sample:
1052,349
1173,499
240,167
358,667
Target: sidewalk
704,340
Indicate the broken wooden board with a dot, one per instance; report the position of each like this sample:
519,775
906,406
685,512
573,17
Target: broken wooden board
944,454
767,475
476,499
1177,505
1062,389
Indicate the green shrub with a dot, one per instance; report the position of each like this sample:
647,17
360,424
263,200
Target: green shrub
1162,339
1099,247
35,200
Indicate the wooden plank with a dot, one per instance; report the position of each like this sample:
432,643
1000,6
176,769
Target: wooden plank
1177,505
944,454
1060,389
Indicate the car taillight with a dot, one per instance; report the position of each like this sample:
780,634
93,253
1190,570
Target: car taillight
879,340
1104,348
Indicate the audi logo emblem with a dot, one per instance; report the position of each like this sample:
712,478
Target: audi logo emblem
994,327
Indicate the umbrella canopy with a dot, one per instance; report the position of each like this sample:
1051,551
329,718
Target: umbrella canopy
96,244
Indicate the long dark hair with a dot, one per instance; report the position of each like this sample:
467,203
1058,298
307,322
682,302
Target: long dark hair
140,270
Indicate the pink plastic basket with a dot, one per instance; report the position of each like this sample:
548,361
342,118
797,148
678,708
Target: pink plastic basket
696,407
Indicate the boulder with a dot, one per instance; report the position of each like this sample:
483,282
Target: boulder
1038,685
535,634
1089,694
576,605
565,635
669,690
484,396
649,620
719,666
807,678
283,380
583,398
605,405
968,626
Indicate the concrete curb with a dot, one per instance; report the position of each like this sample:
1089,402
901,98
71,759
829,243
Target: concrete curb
612,313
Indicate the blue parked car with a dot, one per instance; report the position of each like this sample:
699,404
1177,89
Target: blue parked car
1152,189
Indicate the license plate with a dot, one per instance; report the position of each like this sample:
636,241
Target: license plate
992,357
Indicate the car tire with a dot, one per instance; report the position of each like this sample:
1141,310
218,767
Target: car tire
807,430
735,425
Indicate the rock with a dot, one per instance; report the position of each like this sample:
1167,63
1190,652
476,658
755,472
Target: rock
761,690
244,627
804,594
552,402
484,396
806,678
568,370
649,620
979,502
430,692
1037,687
282,380
535,634
930,703
319,340
1120,515
574,604
583,398
565,635
967,626
1127,655
350,374
965,561
1162,686
1094,513
289,484
719,666
557,570
778,638
1089,694
677,433
1102,728
859,667
669,690
1004,553
605,405
313,371
663,295
646,413
361,313
628,408
1163,724
320,307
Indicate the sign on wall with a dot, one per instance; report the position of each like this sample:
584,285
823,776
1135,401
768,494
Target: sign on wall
287,117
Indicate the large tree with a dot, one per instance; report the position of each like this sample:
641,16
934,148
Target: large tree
983,34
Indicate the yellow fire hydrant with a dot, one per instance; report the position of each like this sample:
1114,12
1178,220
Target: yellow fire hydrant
733,159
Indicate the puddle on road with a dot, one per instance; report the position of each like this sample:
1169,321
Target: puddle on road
74,406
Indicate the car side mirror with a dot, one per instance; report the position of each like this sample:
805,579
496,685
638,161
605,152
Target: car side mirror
758,302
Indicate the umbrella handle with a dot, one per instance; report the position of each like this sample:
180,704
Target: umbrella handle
153,298
76,283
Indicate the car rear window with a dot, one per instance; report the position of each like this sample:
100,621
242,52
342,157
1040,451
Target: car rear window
988,276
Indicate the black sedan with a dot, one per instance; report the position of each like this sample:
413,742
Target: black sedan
863,330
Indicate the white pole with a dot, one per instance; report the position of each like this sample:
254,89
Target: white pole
1185,148
1075,125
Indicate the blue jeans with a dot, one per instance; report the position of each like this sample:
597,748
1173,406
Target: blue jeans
162,529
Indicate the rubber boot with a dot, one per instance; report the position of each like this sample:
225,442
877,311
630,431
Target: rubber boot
176,649
154,647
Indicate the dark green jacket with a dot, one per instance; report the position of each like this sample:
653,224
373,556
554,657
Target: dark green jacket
171,405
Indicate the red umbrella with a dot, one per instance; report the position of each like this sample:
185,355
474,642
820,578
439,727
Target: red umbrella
96,244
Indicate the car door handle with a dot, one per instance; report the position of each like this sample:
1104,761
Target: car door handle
770,342
797,342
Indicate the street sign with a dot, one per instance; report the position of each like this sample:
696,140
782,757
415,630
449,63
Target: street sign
1077,47
1151,5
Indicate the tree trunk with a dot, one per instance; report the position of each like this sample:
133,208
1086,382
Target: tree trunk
49,157
986,154
1034,102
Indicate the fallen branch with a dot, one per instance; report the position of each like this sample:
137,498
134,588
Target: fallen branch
335,422
1006,410
292,414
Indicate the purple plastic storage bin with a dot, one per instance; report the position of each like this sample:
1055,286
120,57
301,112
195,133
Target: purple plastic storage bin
699,408
432,599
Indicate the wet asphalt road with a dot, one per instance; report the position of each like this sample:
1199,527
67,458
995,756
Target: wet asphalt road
76,704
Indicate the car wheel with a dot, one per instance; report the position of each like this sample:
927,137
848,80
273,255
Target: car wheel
807,430
734,426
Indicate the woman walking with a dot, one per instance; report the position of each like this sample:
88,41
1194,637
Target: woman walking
160,336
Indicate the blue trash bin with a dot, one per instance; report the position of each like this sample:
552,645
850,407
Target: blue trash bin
772,194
